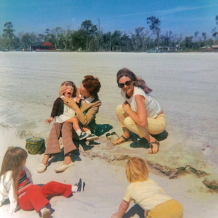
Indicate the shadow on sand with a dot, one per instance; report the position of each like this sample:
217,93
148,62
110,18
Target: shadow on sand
136,209
143,143
75,156
100,129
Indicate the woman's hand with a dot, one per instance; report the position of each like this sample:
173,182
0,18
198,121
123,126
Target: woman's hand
115,215
62,90
78,98
70,102
126,107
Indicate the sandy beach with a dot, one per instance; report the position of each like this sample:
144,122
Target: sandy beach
185,84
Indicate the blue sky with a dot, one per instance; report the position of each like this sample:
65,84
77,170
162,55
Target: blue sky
179,16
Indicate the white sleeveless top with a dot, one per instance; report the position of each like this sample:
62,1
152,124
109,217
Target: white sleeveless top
151,105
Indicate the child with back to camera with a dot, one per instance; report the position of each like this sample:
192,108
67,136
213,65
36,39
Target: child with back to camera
147,194
16,184
63,113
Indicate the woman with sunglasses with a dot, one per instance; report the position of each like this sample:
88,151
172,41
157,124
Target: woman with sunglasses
140,113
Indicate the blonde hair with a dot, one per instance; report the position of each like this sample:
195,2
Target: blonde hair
13,160
136,170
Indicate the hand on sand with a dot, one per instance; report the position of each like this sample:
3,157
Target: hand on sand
115,215
48,121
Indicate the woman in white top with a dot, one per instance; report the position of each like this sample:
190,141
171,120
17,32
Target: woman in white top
140,113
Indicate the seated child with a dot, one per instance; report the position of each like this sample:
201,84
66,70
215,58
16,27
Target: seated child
147,194
63,113
16,184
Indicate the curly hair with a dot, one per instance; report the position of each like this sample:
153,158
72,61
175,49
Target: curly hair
136,80
91,84
13,160
70,83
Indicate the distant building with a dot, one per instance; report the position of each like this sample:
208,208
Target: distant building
214,47
42,46
168,48
210,48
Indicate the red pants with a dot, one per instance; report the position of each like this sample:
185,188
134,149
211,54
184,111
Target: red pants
35,196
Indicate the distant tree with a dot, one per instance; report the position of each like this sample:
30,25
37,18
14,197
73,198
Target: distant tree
137,38
90,30
107,42
8,34
47,31
196,34
56,37
214,30
27,39
125,43
155,27
78,39
116,40
204,35
40,37
188,42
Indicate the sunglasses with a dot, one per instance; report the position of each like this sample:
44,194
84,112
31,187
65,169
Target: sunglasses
127,83
109,134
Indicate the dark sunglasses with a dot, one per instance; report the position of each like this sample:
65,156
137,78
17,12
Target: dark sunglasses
109,134
127,83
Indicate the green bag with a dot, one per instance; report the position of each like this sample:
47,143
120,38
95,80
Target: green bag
35,145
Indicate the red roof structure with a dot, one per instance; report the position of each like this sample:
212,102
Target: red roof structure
42,46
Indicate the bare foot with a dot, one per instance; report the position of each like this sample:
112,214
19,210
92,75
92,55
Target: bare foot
67,160
154,147
121,140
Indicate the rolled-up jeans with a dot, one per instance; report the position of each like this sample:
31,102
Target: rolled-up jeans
154,126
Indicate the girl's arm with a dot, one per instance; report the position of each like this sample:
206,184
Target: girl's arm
48,121
122,210
141,117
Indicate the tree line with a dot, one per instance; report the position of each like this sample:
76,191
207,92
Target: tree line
89,37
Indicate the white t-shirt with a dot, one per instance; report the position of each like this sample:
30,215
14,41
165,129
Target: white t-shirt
151,105
147,194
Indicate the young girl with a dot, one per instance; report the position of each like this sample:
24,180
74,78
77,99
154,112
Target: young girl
16,184
63,113
147,194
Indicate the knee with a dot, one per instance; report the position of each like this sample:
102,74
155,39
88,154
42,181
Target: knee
67,125
128,121
119,109
33,188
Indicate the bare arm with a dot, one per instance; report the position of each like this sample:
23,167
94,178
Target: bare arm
141,117
122,210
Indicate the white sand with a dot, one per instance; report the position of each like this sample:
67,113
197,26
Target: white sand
184,84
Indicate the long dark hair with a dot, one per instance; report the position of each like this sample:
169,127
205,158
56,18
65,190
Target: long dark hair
136,80
13,160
